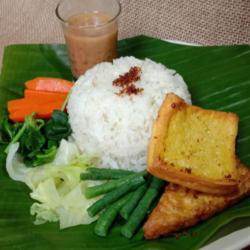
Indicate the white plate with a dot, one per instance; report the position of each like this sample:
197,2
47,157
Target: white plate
182,42
234,241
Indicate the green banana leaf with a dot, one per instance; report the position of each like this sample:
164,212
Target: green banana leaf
218,78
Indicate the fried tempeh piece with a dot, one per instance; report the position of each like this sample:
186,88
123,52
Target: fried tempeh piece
181,207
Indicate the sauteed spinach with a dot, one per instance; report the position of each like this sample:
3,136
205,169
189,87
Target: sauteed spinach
38,139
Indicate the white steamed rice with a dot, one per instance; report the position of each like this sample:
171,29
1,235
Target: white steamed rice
117,128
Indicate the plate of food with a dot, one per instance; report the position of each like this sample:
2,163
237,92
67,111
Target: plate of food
150,151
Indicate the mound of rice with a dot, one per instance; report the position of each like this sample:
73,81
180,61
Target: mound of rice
117,128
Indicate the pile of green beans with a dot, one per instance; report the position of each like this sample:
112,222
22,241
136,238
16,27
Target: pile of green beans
127,194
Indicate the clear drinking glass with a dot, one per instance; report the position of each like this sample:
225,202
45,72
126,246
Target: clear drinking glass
90,29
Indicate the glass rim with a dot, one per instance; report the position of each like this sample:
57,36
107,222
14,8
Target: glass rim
89,26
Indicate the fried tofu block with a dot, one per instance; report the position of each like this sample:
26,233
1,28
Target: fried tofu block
194,147
180,207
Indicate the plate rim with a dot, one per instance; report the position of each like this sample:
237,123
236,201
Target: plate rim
182,42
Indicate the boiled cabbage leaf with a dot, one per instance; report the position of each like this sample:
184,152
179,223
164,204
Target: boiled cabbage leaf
56,187
14,164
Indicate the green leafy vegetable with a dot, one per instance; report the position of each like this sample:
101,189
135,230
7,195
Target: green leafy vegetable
16,137
7,131
31,143
38,140
43,158
57,127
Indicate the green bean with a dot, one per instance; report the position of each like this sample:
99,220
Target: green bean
108,216
94,191
132,203
115,195
104,174
140,211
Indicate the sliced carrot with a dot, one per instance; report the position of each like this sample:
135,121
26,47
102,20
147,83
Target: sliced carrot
16,104
44,95
25,104
33,97
49,84
42,111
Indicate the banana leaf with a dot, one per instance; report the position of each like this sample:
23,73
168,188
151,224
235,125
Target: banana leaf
217,77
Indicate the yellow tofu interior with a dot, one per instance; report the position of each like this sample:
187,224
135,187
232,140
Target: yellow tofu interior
201,142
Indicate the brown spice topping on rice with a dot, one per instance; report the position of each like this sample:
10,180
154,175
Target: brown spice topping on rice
127,82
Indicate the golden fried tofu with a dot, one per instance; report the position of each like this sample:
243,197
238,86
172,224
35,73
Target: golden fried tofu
180,207
194,147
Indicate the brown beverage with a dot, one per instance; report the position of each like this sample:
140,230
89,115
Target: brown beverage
91,38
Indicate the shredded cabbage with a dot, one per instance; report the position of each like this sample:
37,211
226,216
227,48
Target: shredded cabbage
56,186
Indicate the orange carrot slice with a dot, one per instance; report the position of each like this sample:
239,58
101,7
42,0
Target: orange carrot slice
49,84
44,95
42,111
33,97
16,104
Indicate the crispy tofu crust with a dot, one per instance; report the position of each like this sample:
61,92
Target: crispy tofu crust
180,207
185,134
206,185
